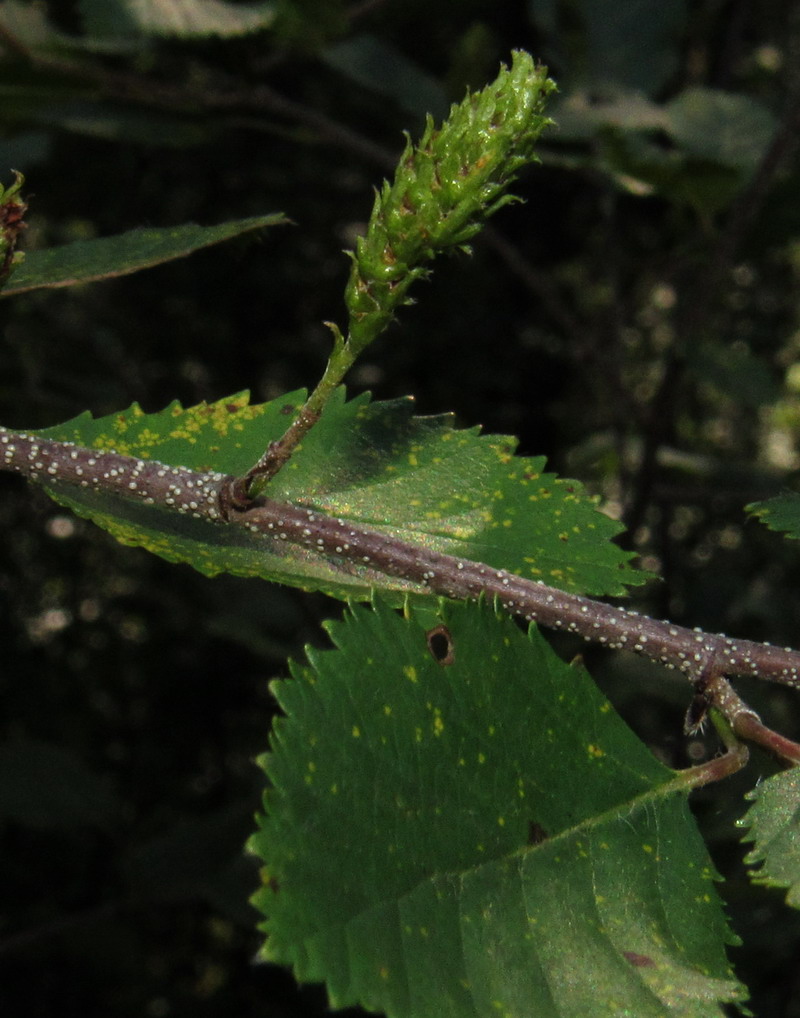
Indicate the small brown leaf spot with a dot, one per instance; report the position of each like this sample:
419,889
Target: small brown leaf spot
288,408
440,644
272,884
536,833
232,408
639,961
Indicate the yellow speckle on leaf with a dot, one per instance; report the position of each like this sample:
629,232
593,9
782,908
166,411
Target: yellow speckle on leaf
595,751
410,673
356,732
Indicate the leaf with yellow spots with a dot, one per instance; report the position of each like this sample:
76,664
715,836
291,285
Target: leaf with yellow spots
418,479
479,856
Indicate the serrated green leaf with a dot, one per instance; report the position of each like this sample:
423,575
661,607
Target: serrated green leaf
721,127
707,125
175,18
717,139
774,828
375,464
781,513
479,838
87,261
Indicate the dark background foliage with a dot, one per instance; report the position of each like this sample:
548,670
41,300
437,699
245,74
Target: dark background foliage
635,320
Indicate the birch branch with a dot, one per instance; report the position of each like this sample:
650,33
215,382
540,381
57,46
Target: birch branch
217,498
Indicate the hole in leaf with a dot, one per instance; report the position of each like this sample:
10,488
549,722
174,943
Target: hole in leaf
440,644
536,833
